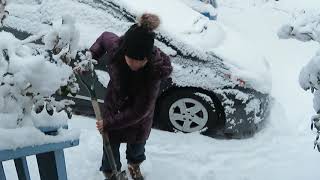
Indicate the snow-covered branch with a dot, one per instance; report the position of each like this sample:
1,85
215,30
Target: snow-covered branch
86,63
30,75
63,39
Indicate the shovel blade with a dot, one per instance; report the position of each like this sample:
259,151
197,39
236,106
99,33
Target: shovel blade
120,176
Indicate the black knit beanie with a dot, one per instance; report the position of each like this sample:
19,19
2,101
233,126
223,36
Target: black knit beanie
139,39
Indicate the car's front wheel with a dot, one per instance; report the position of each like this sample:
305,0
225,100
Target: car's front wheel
186,111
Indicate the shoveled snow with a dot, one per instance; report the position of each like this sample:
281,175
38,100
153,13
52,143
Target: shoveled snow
273,152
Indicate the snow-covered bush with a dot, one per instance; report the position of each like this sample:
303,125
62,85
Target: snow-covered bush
30,74
3,12
306,27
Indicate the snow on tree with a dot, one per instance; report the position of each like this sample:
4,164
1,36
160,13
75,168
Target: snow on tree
306,27
30,74
3,12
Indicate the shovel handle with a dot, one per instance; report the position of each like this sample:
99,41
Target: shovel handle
105,137
96,108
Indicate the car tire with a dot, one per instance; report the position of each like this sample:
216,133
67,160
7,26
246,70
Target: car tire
187,111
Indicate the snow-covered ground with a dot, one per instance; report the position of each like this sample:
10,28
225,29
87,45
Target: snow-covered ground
282,150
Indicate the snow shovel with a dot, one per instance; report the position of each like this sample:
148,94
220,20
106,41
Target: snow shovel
85,79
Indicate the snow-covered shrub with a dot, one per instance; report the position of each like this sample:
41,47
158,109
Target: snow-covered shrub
3,12
31,74
306,27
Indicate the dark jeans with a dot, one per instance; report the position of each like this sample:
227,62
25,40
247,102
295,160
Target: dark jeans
135,154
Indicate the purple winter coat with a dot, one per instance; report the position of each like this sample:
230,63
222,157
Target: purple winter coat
130,96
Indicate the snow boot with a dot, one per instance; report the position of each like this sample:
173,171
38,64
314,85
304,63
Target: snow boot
108,175
135,172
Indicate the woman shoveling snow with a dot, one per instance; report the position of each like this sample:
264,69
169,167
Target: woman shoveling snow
136,68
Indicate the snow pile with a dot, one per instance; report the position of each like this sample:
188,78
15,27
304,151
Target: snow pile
203,7
303,28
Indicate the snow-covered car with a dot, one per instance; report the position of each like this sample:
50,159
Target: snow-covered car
219,86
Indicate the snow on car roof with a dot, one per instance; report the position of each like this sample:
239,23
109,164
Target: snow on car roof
176,18
205,35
